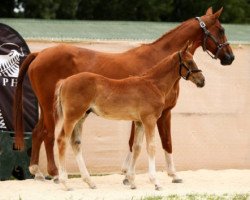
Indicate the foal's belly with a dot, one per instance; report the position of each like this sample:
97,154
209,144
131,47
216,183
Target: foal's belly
116,112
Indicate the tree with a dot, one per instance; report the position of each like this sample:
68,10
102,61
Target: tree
44,9
7,8
67,9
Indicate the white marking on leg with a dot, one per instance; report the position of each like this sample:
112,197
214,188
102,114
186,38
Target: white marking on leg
83,170
126,162
171,168
34,169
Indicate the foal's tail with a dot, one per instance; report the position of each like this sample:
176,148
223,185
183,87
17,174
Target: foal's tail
18,102
58,108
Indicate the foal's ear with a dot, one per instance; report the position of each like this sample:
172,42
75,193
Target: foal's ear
218,13
209,11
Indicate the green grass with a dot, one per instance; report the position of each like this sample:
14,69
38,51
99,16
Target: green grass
80,30
200,197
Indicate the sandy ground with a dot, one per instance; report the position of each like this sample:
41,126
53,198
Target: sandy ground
111,187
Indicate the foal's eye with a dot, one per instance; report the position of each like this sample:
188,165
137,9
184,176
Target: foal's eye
190,62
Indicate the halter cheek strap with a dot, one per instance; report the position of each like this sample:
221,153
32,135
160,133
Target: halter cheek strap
209,35
189,71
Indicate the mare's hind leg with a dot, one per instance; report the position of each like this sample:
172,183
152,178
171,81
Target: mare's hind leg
138,139
164,127
37,139
77,149
49,144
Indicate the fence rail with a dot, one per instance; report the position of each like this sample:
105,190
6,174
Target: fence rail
80,30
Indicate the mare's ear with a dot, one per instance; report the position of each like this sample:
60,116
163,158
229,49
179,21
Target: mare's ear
209,11
185,47
218,13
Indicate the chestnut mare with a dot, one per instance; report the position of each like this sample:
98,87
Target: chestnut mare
141,99
48,66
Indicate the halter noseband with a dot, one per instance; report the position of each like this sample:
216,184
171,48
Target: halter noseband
189,71
208,34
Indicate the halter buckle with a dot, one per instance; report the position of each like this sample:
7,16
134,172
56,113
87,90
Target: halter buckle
202,24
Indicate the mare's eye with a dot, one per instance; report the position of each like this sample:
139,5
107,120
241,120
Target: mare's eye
222,31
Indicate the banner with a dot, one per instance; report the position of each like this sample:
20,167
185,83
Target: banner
13,50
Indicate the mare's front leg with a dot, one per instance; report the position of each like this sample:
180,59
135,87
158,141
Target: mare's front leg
136,149
164,128
77,149
149,126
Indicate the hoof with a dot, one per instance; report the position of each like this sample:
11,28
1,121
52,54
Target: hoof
93,186
56,180
39,177
132,187
158,187
125,181
177,180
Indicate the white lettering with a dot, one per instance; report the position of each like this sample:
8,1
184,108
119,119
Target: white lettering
8,82
5,80
13,82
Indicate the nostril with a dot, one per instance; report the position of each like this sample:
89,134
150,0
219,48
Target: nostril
232,57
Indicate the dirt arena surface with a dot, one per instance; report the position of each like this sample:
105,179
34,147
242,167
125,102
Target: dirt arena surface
110,187
221,123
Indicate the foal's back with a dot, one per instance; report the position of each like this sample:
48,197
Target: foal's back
125,99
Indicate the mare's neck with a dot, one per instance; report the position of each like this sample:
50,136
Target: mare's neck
165,74
175,39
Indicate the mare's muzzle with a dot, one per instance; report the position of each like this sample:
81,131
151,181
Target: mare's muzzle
227,59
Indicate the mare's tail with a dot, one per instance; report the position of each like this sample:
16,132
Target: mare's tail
58,108
18,102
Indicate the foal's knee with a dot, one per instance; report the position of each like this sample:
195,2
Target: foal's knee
137,148
151,149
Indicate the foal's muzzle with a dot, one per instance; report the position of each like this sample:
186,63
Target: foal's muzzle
227,59
200,83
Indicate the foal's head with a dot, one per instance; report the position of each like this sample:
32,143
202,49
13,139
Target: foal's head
215,40
188,68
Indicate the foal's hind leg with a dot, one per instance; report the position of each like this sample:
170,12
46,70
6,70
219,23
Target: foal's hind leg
63,139
77,149
138,138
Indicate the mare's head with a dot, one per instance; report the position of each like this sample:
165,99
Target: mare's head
214,40
188,68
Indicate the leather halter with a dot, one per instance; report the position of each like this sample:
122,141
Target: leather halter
209,35
189,71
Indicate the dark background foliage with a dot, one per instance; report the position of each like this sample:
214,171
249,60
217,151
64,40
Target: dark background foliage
235,11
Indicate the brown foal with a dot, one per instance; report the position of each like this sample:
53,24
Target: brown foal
141,99
52,64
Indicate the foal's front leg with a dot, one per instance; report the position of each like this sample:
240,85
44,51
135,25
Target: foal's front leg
164,128
138,139
149,126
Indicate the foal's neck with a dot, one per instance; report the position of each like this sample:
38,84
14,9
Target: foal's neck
165,74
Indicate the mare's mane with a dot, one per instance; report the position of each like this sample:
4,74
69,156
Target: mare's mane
171,31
